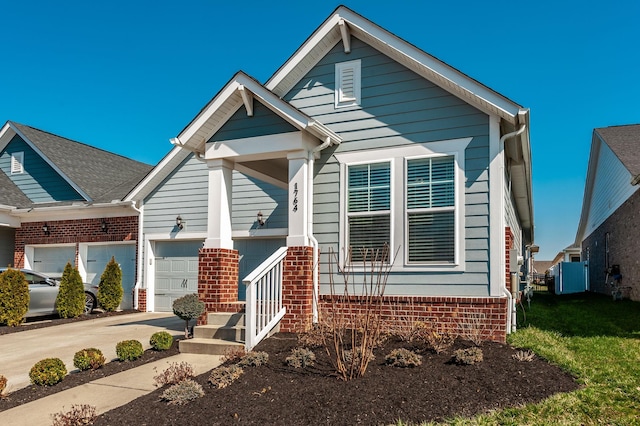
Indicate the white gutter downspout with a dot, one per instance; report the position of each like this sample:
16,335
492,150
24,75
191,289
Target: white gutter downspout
312,239
511,312
140,260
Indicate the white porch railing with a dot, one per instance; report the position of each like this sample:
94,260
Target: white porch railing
264,307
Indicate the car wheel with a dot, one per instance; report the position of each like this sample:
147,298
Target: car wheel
89,303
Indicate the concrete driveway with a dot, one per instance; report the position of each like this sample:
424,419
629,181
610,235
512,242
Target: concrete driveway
20,351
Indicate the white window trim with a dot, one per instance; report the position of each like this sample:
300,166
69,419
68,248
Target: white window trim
357,77
398,157
17,163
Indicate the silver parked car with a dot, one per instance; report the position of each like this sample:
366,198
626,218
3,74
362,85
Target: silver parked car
43,291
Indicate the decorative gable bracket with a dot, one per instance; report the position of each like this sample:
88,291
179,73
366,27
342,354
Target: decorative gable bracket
247,99
346,35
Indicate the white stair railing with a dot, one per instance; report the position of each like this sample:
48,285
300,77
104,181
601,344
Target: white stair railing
264,307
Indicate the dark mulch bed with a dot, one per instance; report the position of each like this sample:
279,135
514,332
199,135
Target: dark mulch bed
77,378
51,320
279,395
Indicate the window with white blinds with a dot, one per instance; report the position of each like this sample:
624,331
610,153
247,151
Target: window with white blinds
430,210
369,210
347,92
17,163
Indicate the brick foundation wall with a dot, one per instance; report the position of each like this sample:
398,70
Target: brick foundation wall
218,281
123,228
486,315
142,299
297,289
624,237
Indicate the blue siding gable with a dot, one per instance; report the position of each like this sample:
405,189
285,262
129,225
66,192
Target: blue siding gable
263,122
39,181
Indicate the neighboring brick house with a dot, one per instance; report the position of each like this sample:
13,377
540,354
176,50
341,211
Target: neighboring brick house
360,140
608,233
61,201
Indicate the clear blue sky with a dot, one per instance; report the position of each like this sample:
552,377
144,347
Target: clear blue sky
128,75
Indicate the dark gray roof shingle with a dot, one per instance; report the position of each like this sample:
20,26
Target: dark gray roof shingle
624,141
102,175
10,194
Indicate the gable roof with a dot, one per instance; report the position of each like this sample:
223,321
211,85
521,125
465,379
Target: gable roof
10,194
624,141
98,176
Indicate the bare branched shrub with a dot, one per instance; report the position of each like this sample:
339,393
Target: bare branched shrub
406,322
435,337
354,317
472,326
223,376
79,414
175,373
3,384
524,355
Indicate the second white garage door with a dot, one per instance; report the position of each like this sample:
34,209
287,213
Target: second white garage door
125,255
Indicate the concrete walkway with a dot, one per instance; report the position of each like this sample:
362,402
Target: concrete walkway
20,351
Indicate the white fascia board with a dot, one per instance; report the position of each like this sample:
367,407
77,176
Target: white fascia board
157,174
9,220
440,73
76,212
52,164
260,147
6,134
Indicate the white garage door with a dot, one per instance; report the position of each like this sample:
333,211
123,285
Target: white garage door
176,271
52,260
125,255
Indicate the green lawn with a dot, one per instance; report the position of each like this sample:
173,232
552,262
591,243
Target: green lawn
595,339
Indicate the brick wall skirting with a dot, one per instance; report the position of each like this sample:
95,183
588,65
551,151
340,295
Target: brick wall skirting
297,289
218,281
142,299
487,315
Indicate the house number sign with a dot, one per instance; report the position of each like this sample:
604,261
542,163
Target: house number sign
295,197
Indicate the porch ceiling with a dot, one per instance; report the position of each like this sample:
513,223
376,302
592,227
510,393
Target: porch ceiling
277,169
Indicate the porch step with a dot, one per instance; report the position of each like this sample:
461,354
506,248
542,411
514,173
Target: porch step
204,346
224,332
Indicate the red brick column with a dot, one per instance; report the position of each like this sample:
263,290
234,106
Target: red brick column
218,281
297,289
142,299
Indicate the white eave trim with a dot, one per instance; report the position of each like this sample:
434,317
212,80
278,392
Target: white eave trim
419,61
50,163
76,211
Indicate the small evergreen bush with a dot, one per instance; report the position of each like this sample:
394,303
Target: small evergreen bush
110,291
468,356
301,358
403,358
129,350
222,377
79,414
161,341
184,392
14,297
70,298
188,307
254,359
88,359
174,374
47,372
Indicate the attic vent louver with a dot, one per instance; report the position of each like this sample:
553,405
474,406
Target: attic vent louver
347,84
17,163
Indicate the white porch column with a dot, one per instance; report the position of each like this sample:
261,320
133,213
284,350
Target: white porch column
298,201
220,195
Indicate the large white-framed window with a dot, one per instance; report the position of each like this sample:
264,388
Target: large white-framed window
17,163
347,91
417,208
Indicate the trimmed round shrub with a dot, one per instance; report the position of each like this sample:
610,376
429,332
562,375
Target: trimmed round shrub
403,358
183,392
110,291
161,341
129,350
188,307
14,297
47,372
70,298
88,359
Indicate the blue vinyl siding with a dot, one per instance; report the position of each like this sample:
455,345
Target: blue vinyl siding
39,181
398,108
263,122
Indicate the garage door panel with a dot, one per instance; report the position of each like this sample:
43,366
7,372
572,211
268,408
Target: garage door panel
176,271
98,256
52,260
